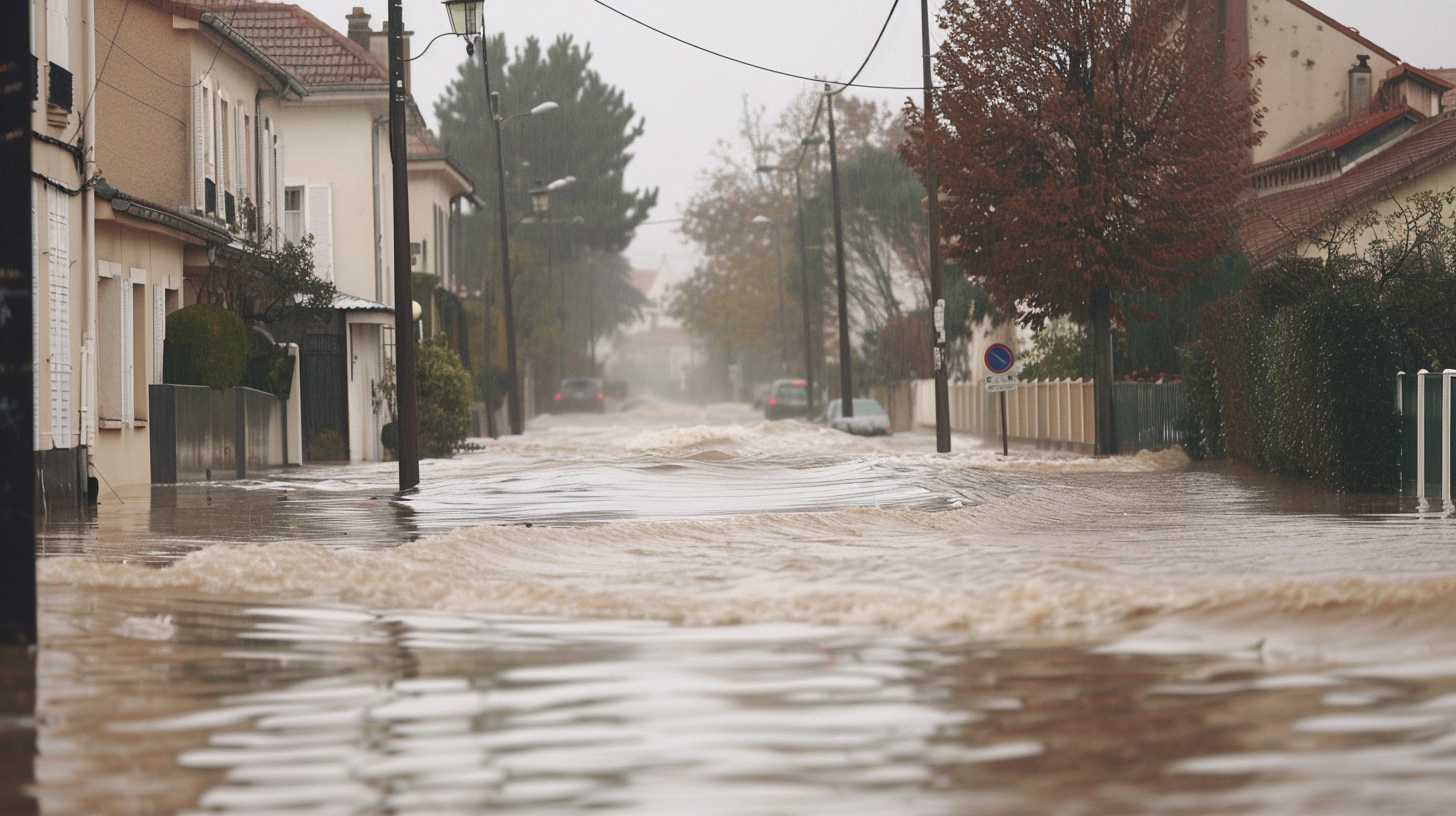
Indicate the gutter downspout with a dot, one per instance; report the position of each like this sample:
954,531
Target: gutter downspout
374,185
88,242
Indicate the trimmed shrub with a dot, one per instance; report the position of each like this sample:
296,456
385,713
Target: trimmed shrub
444,399
205,345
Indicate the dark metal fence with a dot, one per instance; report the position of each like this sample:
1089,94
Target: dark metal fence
1148,416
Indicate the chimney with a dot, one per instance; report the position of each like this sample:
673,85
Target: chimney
378,45
359,27
1358,102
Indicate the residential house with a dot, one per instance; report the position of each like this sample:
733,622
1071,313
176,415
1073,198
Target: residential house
336,187
186,119
63,248
1351,127
437,187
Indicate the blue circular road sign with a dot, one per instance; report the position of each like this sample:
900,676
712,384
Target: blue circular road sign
1000,358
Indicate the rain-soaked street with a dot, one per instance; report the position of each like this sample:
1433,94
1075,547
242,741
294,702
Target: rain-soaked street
683,610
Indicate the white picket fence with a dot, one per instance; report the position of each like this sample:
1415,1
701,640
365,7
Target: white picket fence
1046,413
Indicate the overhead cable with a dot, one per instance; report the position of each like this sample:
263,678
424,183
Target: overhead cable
757,66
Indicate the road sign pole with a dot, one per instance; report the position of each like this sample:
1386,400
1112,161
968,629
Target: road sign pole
1005,445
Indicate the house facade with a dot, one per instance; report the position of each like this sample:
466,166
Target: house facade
336,187
61,43
187,138
1351,127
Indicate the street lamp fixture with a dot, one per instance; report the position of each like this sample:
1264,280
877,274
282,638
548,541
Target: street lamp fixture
541,200
467,19
762,219
465,16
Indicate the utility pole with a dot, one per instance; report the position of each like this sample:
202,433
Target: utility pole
804,293
937,280
404,334
17,453
513,398
846,382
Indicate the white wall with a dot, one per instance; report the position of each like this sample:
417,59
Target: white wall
329,148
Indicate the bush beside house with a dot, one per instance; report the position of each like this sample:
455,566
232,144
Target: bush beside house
205,345
443,402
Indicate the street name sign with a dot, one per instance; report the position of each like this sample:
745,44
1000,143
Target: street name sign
999,383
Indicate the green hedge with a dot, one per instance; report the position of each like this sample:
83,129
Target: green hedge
1291,376
205,345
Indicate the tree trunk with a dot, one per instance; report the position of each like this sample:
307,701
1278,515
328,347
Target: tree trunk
1106,439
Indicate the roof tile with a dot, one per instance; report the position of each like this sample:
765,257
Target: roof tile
1277,223
303,44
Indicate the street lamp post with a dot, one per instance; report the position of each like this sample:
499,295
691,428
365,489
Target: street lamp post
465,21
779,254
805,305
541,203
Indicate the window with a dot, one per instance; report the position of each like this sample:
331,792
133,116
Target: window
417,256
246,153
293,214
137,388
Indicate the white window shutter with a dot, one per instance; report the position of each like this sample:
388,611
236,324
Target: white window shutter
265,195
240,156
319,215
58,275
159,331
199,167
219,149
211,107
128,350
58,33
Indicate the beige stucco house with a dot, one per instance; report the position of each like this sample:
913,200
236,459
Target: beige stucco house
187,131
337,187
61,147
1351,127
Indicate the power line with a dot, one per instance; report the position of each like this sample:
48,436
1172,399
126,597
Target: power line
86,109
754,65
873,47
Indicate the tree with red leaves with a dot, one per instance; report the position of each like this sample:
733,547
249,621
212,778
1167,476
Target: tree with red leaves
1086,148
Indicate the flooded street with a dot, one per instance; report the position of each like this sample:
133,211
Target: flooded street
686,610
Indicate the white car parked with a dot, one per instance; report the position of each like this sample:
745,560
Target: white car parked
870,418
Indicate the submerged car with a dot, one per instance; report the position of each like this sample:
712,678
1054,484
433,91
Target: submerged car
580,395
786,398
870,418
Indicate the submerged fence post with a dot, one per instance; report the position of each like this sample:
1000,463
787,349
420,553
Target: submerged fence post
1446,414
1421,435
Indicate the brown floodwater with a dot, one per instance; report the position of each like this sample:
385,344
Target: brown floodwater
681,610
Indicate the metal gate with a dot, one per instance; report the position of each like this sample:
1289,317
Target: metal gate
324,384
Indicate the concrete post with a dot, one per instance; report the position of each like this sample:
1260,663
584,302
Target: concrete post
293,419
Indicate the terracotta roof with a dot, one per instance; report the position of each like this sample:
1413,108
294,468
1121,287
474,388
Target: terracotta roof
309,48
643,280
1424,76
1336,139
1277,223
1448,74
1352,33
419,138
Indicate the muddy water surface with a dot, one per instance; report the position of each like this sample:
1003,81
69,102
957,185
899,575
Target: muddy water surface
681,610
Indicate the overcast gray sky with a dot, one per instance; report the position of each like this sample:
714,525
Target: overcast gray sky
691,100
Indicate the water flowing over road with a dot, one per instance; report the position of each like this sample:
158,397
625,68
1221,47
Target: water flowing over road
687,610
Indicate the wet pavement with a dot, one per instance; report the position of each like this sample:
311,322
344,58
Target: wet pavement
686,610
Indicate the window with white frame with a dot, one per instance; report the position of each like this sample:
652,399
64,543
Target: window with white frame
58,296
293,214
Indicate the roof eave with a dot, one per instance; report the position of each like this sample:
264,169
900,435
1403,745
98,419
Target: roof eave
286,81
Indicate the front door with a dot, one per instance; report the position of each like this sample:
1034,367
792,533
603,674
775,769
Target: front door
324,382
